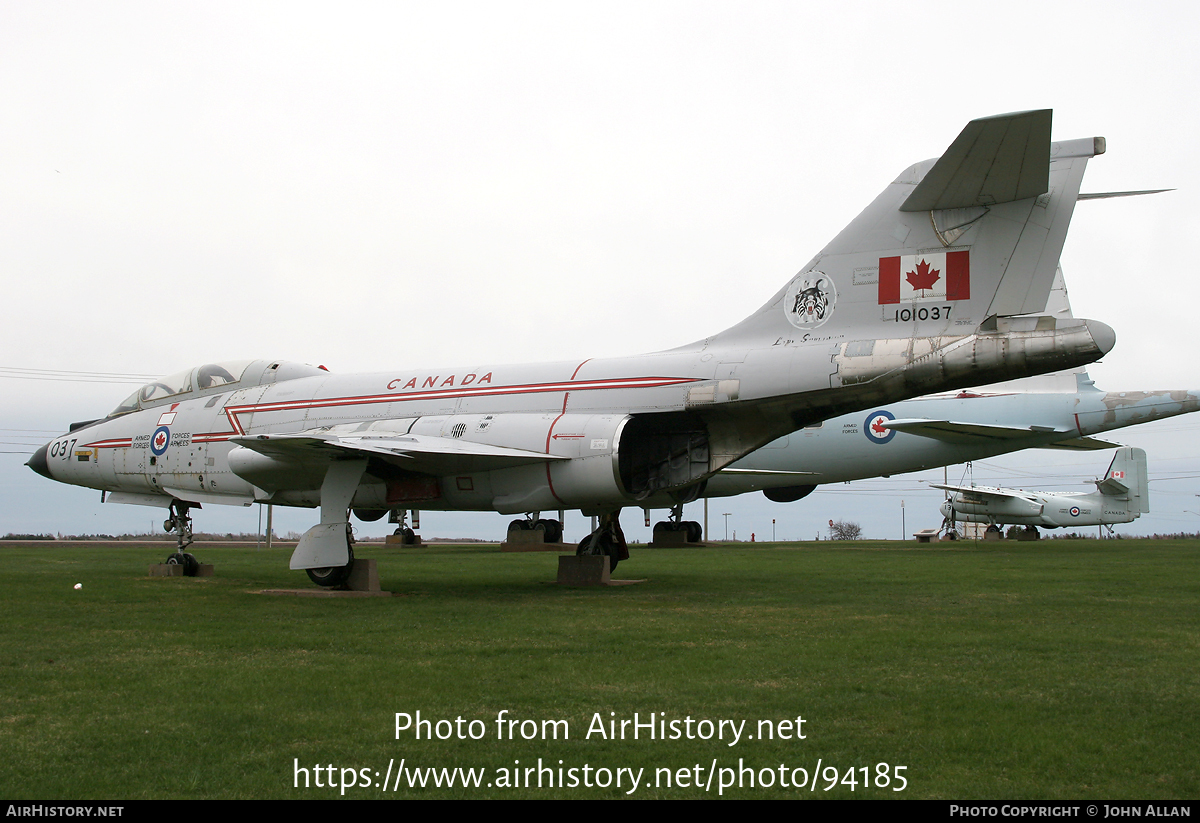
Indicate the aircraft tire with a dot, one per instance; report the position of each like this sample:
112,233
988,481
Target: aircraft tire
408,537
597,544
694,531
190,565
331,575
551,530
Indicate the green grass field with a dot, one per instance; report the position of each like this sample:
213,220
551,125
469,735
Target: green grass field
1059,669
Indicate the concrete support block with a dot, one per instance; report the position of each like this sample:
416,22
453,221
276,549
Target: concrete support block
585,570
364,576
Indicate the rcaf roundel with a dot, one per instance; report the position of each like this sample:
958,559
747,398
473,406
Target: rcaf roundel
909,278
158,442
876,427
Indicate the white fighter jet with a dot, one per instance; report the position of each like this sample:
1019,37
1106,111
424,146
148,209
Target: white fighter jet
939,284
1120,497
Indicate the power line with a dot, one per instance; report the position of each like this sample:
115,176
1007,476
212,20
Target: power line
71,375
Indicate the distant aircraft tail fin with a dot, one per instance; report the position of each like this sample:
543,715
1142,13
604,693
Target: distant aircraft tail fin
1126,477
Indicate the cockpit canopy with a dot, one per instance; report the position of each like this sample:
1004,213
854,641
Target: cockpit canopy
214,378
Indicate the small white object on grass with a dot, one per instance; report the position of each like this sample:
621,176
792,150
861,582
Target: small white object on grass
79,585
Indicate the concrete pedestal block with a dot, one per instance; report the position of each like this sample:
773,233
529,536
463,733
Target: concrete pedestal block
584,570
364,576
529,540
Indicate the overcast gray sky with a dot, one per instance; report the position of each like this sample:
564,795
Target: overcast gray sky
378,186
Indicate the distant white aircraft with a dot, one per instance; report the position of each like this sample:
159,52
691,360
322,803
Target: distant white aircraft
940,283
1120,497
1056,411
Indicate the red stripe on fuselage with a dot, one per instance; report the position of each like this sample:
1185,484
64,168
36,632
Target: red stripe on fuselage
232,412
115,443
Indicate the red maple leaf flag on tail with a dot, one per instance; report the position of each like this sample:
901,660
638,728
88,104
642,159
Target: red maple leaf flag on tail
944,275
924,278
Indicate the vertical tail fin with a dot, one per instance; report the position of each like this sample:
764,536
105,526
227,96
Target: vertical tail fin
1126,476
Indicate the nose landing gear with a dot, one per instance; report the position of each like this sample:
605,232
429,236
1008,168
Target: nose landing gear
180,523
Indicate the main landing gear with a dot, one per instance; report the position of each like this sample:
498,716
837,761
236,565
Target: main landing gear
665,530
330,576
408,537
180,523
552,530
324,551
608,540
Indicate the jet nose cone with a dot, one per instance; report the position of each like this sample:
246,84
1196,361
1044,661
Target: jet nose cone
1102,335
39,463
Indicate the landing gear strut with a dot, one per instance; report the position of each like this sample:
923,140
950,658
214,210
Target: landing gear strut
608,539
180,523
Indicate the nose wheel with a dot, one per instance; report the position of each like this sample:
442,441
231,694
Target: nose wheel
181,524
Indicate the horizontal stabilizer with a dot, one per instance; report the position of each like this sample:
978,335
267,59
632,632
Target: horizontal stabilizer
1104,195
1082,444
418,453
993,160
